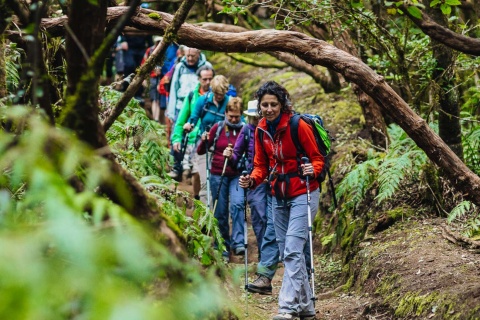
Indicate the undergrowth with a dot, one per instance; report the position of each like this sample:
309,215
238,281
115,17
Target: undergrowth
69,252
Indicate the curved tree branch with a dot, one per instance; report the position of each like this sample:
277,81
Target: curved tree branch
318,52
444,35
329,84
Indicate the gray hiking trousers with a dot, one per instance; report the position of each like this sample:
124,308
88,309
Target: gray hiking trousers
291,228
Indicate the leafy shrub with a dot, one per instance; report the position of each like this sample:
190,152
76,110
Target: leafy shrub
68,252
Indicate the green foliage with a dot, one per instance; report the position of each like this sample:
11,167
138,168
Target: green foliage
138,142
68,252
12,63
403,162
471,148
468,216
139,145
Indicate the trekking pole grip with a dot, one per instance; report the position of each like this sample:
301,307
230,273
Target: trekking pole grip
305,161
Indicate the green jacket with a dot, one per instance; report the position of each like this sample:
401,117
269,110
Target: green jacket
185,112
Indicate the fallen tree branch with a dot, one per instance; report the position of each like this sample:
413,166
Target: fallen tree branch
329,84
458,239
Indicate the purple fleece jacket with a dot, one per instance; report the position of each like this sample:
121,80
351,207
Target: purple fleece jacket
241,147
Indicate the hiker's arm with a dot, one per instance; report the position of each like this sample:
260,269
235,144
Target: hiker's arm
195,115
238,149
309,144
172,97
181,120
207,137
260,162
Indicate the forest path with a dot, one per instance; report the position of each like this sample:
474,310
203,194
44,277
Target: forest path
330,304
410,269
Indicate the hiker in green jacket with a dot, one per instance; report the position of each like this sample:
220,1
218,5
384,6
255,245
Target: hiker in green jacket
190,162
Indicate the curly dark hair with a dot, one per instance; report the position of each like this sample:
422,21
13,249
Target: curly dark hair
273,88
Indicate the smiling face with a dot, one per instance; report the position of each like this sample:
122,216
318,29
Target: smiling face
270,107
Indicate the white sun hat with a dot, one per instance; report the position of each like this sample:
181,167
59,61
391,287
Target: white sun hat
252,108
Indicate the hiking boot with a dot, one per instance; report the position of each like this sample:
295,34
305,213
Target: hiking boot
284,316
239,251
261,285
174,175
226,256
307,316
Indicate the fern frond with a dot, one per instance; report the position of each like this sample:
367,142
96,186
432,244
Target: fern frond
395,169
355,184
461,210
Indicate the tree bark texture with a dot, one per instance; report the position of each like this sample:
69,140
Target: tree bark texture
81,115
318,52
328,84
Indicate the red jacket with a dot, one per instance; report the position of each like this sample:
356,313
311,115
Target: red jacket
279,152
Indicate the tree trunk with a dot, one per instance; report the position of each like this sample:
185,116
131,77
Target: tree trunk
446,92
316,52
374,120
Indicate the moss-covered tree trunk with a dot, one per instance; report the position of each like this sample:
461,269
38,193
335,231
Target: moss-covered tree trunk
445,91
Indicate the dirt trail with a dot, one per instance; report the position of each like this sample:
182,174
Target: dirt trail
409,271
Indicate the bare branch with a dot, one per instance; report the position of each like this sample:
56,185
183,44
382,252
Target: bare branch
444,35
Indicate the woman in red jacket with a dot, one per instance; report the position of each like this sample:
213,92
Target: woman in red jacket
276,158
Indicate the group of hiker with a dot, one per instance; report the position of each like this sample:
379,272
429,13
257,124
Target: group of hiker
231,153
227,150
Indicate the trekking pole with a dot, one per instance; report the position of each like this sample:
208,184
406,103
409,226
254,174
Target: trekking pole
184,145
332,189
245,240
221,181
309,211
208,176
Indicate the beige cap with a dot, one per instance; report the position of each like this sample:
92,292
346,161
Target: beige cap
252,108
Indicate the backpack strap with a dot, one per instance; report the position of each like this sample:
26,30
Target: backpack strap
221,125
294,120
190,96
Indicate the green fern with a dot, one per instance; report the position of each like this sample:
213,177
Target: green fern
356,183
471,149
467,215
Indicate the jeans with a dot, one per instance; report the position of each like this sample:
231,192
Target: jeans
270,255
257,200
230,199
291,226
